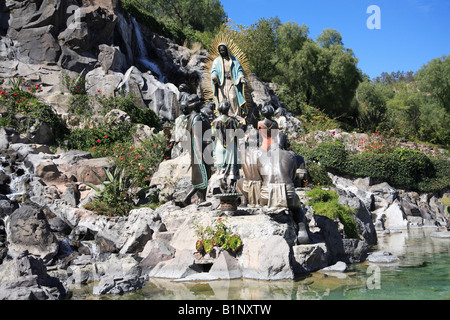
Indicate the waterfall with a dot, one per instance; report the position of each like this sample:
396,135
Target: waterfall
19,178
143,55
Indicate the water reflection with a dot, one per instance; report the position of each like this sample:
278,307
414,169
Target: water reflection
422,273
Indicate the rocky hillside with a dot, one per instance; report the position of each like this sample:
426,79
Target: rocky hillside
41,39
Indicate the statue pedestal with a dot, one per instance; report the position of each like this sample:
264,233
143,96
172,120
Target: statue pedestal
228,202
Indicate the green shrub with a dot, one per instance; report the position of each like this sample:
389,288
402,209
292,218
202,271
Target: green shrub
325,203
318,175
127,104
321,195
332,156
140,161
103,136
117,195
401,168
440,180
31,109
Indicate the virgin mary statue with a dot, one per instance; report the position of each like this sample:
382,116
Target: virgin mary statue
228,81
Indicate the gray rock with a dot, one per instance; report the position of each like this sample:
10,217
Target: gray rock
382,257
302,237
7,206
26,278
118,274
179,267
71,60
29,230
71,195
155,251
138,229
111,58
363,215
226,267
356,250
36,45
339,266
270,260
328,231
107,83
309,257
162,98
119,285
25,149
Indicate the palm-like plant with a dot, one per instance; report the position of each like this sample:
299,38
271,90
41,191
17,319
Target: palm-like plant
118,192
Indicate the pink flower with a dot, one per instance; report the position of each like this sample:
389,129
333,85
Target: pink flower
98,140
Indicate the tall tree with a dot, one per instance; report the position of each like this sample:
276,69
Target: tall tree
259,43
434,78
324,77
329,37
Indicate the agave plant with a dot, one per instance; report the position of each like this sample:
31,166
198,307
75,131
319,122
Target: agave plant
118,191
15,83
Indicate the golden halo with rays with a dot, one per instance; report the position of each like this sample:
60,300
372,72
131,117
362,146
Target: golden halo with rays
213,53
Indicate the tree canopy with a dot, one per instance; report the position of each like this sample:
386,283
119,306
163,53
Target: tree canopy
201,15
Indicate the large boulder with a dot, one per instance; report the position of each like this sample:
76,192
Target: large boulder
309,257
269,259
161,97
155,251
118,274
28,230
26,278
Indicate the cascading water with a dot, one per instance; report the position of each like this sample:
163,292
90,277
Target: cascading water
143,55
18,176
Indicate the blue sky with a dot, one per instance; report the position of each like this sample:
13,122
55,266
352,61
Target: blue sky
412,31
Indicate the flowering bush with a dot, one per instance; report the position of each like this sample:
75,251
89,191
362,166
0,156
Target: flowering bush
33,111
99,137
380,142
141,160
75,85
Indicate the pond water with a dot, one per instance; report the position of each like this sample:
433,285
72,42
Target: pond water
422,273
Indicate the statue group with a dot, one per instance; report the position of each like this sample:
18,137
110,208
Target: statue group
237,159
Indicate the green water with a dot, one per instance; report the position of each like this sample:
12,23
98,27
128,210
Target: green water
422,273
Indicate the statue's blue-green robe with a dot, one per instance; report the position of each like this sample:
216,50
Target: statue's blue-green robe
236,73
